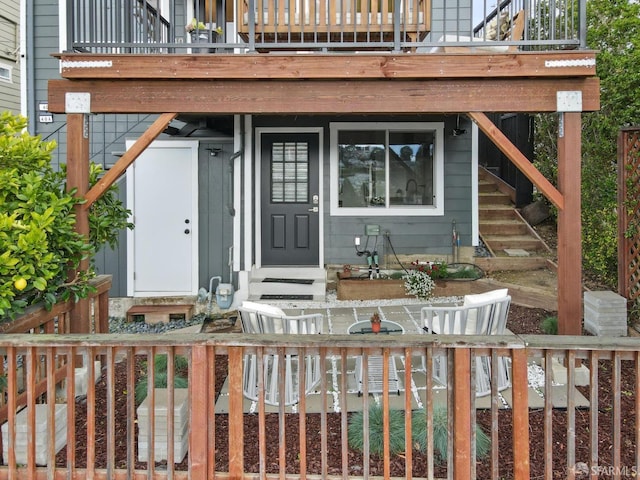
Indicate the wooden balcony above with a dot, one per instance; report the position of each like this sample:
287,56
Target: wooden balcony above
149,27
368,23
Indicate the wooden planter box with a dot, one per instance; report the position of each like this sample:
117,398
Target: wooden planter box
365,289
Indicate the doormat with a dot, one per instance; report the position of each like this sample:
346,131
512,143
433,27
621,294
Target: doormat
286,297
301,281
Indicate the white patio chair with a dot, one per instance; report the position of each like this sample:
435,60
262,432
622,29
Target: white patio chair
482,314
260,319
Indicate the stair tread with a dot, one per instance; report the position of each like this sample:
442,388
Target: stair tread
171,308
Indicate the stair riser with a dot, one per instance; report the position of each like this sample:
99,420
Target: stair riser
487,187
503,229
268,288
529,245
497,214
494,199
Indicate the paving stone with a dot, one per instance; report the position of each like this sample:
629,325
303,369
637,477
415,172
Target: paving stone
41,437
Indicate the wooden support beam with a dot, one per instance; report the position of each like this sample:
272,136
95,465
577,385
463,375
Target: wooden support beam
128,158
78,178
316,97
335,65
570,225
518,159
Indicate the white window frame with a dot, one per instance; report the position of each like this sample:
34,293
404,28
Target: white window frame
9,69
437,209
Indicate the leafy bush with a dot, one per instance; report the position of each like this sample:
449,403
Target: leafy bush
38,242
440,431
160,362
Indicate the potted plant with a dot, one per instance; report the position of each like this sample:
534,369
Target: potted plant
202,33
375,322
346,271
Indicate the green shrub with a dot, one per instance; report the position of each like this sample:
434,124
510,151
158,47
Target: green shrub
600,243
549,325
38,242
440,431
397,432
180,364
376,436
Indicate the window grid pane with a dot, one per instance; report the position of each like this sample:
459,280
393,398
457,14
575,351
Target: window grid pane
290,172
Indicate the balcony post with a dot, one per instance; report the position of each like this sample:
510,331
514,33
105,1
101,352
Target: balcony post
251,18
569,226
78,177
396,24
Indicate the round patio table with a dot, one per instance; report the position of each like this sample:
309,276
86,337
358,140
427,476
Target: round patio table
386,327
374,364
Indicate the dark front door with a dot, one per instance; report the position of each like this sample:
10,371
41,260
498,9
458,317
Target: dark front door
290,199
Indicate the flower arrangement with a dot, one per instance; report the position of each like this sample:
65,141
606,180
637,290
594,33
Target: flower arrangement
195,26
418,282
433,269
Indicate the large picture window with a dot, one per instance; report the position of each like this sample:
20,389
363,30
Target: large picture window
382,169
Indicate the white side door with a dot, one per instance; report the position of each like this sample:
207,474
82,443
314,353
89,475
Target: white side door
162,194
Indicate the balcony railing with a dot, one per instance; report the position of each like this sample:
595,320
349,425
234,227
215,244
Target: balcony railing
145,27
207,429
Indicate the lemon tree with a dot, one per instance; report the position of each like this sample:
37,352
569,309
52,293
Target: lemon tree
38,241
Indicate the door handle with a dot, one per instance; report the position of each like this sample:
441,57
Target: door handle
187,231
314,209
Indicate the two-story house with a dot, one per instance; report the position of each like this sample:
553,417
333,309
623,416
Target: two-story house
11,86
276,132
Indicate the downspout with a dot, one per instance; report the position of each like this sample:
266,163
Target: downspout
232,210
31,82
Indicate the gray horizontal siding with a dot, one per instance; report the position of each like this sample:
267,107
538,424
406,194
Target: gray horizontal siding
9,42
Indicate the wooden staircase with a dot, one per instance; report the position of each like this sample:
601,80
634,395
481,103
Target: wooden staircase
502,229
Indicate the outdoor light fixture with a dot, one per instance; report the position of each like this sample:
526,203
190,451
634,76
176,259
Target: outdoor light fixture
458,131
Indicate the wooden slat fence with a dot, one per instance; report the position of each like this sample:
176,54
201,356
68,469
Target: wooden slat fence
39,320
102,428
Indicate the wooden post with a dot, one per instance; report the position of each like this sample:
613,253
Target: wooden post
520,422
569,226
198,409
236,415
462,413
78,177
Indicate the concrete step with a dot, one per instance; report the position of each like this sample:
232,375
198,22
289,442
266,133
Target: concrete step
285,283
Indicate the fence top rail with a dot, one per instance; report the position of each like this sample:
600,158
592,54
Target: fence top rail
332,342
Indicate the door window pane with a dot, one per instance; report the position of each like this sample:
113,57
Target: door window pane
290,172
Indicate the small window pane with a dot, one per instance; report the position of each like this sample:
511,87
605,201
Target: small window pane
411,168
289,172
362,161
